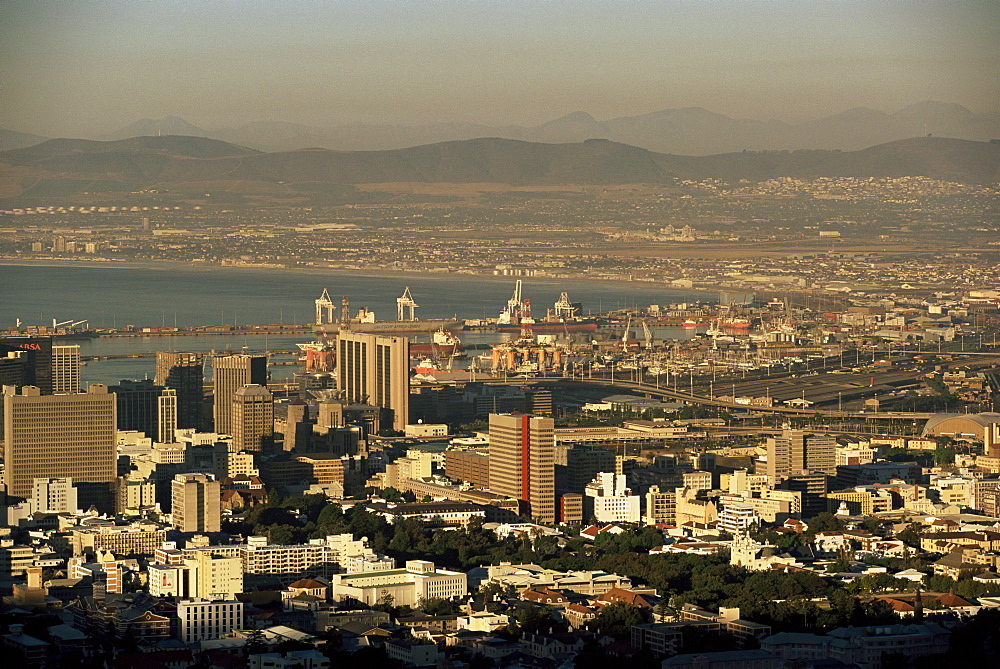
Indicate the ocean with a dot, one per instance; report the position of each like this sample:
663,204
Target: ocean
115,295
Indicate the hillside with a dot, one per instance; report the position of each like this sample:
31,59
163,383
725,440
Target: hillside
63,166
688,131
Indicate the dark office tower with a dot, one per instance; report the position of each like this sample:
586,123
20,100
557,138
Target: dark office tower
375,370
148,408
184,373
229,374
61,436
522,462
37,355
12,365
252,418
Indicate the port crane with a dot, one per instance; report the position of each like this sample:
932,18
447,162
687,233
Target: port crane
324,303
563,307
648,335
406,306
71,323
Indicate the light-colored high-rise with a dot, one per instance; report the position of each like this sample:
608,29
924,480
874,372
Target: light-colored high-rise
373,369
196,503
253,419
184,373
66,368
522,462
797,453
59,436
229,374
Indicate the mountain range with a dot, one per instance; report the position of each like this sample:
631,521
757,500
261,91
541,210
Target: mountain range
686,131
189,166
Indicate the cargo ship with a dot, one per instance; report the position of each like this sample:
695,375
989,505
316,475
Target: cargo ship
406,321
516,316
442,343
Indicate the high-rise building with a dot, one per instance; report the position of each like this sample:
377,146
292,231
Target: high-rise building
36,353
229,374
148,408
196,503
373,369
184,373
661,507
610,500
522,462
61,436
66,368
796,453
252,419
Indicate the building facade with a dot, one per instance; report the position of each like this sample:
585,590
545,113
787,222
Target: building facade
374,369
522,462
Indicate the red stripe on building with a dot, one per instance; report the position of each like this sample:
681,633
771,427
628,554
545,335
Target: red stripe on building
525,456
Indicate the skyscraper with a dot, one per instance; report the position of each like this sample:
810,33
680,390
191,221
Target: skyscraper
252,419
184,373
229,374
796,453
373,369
36,354
60,436
196,503
66,368
148,408
522,462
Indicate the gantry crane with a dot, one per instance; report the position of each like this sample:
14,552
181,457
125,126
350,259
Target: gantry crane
406,307
324,303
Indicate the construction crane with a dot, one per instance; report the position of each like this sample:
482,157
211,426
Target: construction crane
405,306
324,303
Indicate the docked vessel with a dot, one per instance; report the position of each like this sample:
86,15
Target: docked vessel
442,343
406,321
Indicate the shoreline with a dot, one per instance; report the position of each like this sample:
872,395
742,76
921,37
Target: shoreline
386,273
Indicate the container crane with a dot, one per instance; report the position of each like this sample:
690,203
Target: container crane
324,303
406,306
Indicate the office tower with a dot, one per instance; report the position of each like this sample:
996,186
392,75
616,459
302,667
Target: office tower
12,364
61,436
36,353
297,429
372,369
54,495
229,374
795,453
66,368
196,503
522,462
252,419
148,408
184,373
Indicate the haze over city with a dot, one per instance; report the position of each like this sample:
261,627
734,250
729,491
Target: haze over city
87,69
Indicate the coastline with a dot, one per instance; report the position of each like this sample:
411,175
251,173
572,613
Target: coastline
385,273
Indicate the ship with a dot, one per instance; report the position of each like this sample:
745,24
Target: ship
689,323
516,316
442,343
406,321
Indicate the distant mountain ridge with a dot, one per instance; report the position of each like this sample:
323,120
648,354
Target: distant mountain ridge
195,165
686,131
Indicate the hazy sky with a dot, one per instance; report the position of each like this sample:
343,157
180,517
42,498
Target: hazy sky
82,68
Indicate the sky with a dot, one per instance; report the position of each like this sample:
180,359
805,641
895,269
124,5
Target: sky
86,67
